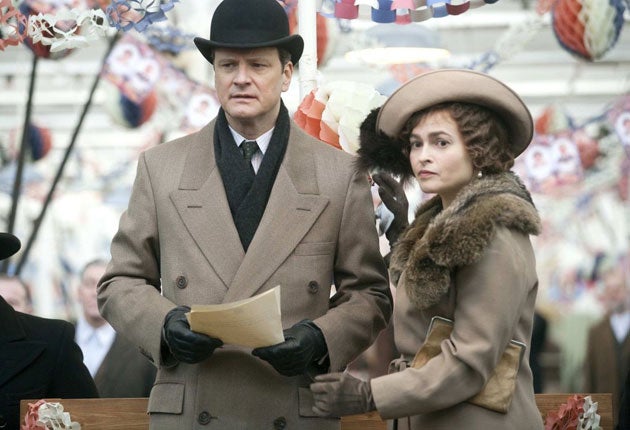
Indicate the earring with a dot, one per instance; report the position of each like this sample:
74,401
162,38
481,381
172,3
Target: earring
479,174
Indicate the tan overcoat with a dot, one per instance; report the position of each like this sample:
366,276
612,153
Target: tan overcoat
178,236
473,263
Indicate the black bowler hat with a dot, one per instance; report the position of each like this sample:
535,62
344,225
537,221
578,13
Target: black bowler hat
9,245
250,24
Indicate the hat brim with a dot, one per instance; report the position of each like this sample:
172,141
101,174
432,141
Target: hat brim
450,85
294,44
9,245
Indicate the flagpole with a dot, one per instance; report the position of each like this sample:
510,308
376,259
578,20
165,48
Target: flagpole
17,182
70,147
307,21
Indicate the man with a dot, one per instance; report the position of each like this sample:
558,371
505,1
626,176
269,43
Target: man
118,368
38,357
207,225
607,359
16,293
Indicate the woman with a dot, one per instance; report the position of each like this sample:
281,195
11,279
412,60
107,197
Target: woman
466,257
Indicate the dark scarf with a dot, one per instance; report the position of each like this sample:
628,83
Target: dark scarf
248,193
439,241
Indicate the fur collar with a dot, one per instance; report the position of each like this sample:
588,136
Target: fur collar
439,241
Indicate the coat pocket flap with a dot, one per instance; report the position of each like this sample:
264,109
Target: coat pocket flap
166,398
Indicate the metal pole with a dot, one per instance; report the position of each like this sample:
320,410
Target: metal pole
17,183
307,21
66,156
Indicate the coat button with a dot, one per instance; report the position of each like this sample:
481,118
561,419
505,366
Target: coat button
181,282
313,287
204,418
280,423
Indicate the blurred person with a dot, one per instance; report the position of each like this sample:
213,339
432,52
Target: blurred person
466,257
38,357
539,338
16,293
607,360
624,407
247,203
622,126
117,366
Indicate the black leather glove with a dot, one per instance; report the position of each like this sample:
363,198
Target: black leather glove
340,394
303,345
183,343
393,196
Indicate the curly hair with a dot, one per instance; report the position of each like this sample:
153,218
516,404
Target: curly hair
483,131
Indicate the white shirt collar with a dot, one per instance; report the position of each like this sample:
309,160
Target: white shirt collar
262,140
620,323
104,334
94,343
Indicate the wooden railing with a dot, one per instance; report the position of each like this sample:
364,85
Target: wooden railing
130,414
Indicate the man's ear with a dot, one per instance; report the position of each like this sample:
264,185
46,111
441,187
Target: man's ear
287,73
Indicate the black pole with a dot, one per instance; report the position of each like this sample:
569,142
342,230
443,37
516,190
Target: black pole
66,156
17,182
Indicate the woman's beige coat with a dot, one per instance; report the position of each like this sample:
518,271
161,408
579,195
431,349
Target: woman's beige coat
178,236
472,263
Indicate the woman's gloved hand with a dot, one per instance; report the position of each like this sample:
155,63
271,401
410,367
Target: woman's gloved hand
393,196
340,394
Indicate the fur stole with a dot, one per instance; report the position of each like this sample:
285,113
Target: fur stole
439,241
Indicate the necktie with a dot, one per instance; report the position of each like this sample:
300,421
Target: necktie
249,148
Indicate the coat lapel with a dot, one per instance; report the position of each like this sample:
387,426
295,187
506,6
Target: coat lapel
295,197
202,204
16,353
17,356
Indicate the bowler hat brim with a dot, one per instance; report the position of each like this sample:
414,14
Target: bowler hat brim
451,85
9,245
294,44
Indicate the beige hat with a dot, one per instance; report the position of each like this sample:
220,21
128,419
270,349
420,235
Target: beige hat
458,85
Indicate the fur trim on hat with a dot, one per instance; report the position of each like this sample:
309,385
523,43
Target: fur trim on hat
378,151
439,241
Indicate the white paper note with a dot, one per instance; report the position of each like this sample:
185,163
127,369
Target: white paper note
252,322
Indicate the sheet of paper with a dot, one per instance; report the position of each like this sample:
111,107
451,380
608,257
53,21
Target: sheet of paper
252,322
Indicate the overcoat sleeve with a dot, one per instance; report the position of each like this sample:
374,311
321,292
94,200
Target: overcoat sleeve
129,292
362,306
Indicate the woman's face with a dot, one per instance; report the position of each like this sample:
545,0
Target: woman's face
439,158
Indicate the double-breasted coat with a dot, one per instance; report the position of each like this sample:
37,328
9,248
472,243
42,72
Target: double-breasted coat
177,244
472,263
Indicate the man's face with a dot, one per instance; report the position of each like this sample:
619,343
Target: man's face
87,294
249,83
615,295
14,293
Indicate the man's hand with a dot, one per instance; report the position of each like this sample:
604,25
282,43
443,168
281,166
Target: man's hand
340,394
186,345
393,196
303,345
